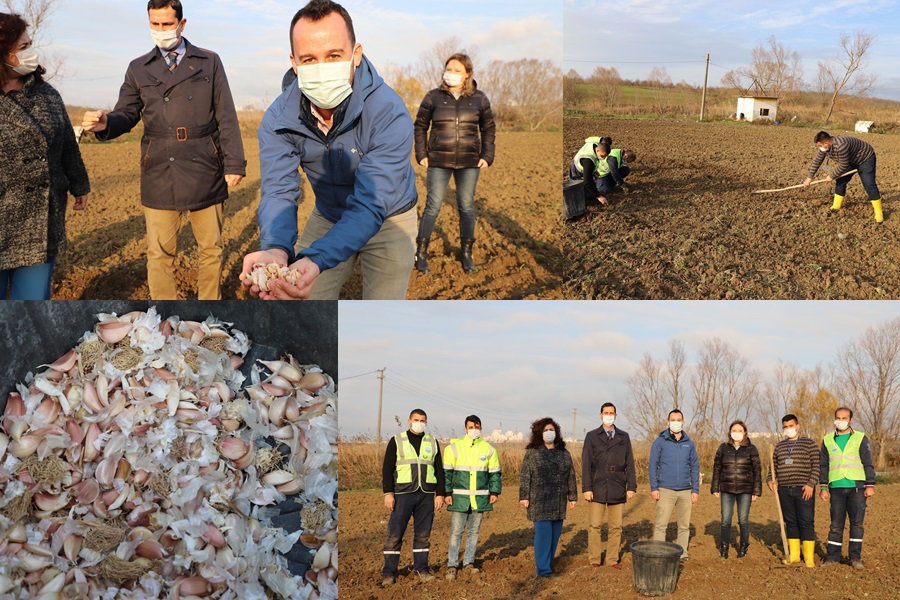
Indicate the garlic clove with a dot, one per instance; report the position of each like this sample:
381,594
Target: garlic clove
214,536
312,382
276,410
173,398
46,412
322,558
277,477
90,398
114,331
90,436
51,502
284,433
194,586
72,546
74,430
17,533
25,446
65,363
273,390
86,491
233,448
150,549
291,487
4,443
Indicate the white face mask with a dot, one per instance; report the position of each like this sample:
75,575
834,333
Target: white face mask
676,426
737,436
28,62
417,427
821,149
608,420
790,432
326,84
549,436
474,433
452,79
168,39
841,425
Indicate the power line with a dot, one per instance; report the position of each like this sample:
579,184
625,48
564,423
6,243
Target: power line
636,62
355,376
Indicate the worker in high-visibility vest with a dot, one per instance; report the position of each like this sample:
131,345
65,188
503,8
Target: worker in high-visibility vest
846,471
584,166
411,474
472,476
613,168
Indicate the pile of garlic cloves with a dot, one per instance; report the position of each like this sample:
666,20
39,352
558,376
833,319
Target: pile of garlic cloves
140,465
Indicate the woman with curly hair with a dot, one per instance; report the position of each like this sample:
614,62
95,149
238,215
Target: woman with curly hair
546,485
736,480
40,166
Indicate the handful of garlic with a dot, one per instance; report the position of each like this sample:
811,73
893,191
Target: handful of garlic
262,274
136,466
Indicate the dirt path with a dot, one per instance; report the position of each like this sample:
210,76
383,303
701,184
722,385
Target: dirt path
506,555
518,248
690,229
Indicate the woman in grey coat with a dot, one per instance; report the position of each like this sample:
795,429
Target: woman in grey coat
41,165
546,485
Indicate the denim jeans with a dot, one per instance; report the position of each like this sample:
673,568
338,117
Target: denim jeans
420,507
546,537
799,514
27,283
438,180
458,522
727,502
605,185
846,502
866,175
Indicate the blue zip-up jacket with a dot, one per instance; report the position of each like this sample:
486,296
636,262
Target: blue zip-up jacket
674,464
360,173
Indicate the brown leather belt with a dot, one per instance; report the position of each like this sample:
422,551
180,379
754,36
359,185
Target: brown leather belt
182,134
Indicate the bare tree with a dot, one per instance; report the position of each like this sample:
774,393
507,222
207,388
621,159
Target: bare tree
869,382
659,82
649,405
572,90
37,13
844,75
609,84
406,86
725,388
527,91
776,69
430,67
676,363
805,393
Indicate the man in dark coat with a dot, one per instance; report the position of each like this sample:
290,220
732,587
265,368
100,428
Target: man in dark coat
608,481
191,149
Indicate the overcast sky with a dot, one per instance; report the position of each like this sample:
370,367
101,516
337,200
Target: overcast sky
98,38
638,35
512,362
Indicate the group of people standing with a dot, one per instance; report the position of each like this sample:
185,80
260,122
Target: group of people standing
418,479
336,120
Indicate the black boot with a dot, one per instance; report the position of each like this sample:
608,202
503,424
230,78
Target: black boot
742,549
723,549
468,264
422,254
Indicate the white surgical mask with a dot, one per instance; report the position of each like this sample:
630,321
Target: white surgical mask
841,425
474,433
417,427
821,149
168,39
737,436
325,84
452,79
608,420
28,62
790,432
676,426
549,436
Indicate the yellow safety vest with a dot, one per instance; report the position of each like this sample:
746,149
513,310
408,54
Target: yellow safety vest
845,464
408,479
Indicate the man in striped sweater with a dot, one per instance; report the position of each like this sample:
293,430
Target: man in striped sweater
848,153
797,473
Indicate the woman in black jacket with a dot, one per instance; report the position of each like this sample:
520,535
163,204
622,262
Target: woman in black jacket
737,479
457,113
41,165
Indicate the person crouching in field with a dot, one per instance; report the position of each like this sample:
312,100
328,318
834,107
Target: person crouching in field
613,168
191,150
584,167
41,165
472,482
796,474
736,479
546,483
849,153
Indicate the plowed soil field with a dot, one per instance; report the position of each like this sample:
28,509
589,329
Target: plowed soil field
518,248
507,558
691,229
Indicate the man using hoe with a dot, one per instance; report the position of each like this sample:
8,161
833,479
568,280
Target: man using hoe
848,153
608,481
472,476
191,150
410,475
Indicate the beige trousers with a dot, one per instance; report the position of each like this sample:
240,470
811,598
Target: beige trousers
598,514
681,502
386,260
162,242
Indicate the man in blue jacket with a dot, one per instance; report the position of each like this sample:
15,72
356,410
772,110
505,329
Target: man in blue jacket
674,479
352,136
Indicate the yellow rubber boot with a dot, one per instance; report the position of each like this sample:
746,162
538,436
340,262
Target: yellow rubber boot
879,216
809,553
793,551
838,202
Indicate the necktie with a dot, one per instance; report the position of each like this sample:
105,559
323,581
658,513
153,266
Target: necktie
173,61
609,435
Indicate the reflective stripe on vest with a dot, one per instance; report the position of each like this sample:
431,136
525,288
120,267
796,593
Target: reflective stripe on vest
408,479
846,464
603,166
587,151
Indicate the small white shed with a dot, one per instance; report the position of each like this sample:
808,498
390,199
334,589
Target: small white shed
757,107
864,126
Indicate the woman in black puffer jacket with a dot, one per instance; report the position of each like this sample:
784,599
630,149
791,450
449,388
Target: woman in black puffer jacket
457,113
737,479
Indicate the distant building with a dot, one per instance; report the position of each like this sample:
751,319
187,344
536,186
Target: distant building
864,126
754,108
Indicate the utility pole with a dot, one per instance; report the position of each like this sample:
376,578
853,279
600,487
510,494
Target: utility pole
703,100
574,420
380,397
